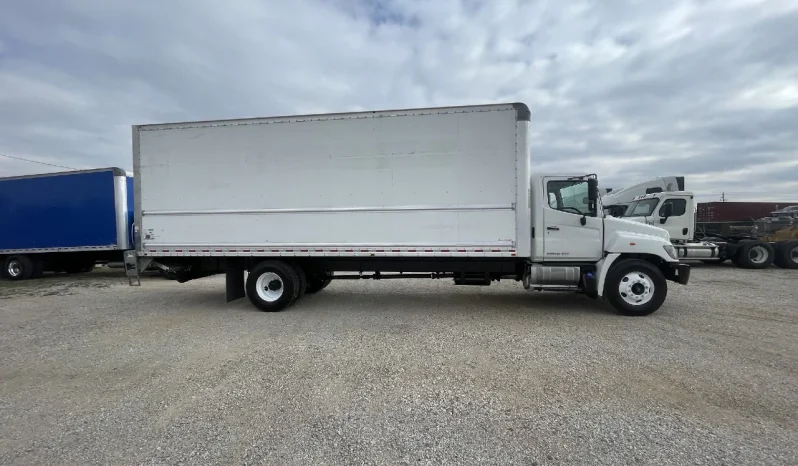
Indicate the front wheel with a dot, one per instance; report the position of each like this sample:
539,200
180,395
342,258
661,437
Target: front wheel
635,287
272,286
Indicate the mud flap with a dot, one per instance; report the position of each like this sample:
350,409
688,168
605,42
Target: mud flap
234,280
679,273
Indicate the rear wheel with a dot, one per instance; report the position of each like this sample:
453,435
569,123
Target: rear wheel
755,255
302,281
272,286
635,287
787,255
19,268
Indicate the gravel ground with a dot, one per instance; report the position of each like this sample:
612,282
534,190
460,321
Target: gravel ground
397,372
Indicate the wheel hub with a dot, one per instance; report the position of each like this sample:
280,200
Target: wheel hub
270,287
636,288
758,254
14,268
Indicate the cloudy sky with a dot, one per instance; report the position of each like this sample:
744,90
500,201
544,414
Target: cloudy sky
626,89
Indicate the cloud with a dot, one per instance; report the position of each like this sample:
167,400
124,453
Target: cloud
628,90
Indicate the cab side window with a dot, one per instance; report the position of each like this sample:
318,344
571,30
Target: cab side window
569,196
678,206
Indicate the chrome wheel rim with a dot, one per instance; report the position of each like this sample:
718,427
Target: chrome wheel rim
758,254
636,288
270,287
794,254
14,268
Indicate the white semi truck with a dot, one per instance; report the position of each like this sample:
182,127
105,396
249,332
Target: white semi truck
284,205
615,202
675,211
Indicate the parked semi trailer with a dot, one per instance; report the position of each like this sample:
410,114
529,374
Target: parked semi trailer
284,205
66,221
729,212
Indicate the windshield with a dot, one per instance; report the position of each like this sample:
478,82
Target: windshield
616,210
642,208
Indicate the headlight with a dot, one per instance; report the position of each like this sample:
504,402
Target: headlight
670,250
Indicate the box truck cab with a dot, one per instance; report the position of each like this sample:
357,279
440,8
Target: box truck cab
575,229
284,205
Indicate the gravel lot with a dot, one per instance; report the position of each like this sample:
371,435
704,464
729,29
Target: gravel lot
397,372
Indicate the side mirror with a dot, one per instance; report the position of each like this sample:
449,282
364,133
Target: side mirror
592,189
665,211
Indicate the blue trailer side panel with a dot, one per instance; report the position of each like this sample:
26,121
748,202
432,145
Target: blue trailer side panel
60,211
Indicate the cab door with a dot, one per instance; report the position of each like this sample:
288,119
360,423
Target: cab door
674,214
568,207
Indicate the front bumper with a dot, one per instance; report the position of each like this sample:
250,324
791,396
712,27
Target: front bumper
679,273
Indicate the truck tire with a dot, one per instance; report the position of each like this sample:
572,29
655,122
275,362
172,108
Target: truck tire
272,286
787,255
318,282
635,287
19,268
755,255
302,281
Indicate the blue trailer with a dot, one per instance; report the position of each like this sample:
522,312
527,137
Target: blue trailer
65,221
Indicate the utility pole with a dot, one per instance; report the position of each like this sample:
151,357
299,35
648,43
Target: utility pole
723,196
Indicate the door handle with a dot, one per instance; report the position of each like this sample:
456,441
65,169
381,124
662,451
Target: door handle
553,228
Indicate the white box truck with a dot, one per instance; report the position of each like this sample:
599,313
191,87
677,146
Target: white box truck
284,205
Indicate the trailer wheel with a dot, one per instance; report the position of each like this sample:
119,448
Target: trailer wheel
755,255
19,268
272,286
635,287
318,282
787,255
